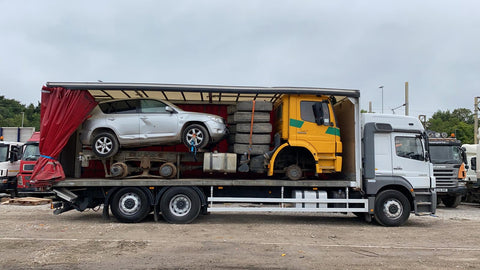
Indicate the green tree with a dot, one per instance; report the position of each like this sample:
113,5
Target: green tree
459,122
11,114
463,115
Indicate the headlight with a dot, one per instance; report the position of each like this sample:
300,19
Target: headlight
216,119
461,183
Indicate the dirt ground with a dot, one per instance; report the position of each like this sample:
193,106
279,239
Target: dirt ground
32,237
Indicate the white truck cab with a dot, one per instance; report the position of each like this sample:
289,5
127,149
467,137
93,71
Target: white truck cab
395,156
472,151
9,164
400,149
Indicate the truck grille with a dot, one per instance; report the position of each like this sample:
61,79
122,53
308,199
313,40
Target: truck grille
28,167
446,177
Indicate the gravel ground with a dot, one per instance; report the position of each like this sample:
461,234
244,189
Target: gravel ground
32,237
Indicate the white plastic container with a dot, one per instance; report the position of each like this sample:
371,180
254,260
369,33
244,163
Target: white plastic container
310,194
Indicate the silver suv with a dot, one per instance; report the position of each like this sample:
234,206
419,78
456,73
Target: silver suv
145,122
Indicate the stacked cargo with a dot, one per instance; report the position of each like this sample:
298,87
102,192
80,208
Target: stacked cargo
250,127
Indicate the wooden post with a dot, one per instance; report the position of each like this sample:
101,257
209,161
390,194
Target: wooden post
406,99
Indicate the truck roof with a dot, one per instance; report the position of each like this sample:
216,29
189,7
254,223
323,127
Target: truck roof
179,93
398,122
11,143
444,141
471,148
35,138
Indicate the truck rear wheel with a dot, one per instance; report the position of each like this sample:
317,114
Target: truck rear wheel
452,201
392,208
180,205
130,205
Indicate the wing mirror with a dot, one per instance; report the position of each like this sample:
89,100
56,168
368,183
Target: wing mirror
14,153
321,113
169,109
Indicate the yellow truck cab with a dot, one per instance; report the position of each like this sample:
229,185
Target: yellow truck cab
309,135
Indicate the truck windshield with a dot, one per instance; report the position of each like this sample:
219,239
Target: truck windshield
31,152
445,154
3,153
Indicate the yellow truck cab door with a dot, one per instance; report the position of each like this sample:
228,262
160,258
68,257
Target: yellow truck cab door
312,125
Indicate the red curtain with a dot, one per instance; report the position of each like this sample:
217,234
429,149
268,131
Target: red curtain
62,111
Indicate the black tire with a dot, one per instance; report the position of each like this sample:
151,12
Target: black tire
293,172
257,128
452,201
130,205
231,139
105,145
392,208
196,133
180,205
246,117
256,138
260,106
168,170
246,106
256,149
119,170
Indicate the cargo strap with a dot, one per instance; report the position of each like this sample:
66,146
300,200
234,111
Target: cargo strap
193,149
44,156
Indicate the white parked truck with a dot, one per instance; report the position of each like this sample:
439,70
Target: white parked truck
320,154
473,173
449,167
16,134
10,153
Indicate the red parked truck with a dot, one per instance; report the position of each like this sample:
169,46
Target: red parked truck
30,155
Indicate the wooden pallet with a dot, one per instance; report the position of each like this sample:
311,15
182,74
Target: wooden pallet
28,201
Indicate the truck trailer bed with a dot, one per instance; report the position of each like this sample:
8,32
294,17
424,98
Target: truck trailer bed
105,182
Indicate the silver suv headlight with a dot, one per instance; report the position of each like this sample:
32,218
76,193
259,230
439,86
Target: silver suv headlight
216,119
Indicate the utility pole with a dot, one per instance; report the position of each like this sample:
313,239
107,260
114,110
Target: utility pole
369,107
381,87
475,115
406,99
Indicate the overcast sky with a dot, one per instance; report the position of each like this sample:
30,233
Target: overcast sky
434,45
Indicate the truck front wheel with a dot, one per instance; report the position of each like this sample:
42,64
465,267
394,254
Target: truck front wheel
130,205
452,201
392,208
105,145
180,205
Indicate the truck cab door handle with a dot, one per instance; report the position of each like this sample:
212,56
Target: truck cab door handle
301,132
398,168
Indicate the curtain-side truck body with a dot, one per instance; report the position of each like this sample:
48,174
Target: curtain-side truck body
323,156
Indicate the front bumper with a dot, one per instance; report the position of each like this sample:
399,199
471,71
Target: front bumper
452,191
7,183
217,130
